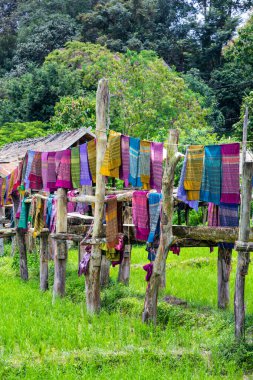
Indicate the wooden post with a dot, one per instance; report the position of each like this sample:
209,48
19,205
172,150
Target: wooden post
243,255
124,268
93,278
105,271
61,251
224,269
187,215
166,238
22,255
44,262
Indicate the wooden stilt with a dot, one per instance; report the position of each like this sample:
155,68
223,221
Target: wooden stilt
22,255
243,254
44,262
105,271
61,251
224,269
92,285
124,268
167,238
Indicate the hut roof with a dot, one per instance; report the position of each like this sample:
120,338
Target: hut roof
11,153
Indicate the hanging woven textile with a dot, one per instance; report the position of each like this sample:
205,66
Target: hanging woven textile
92,158
51,172
39,217
211,177
213,215
228,217
140,215
230,188
23,220
134,152
156,166
154,200
145,147
30,157
111,221
112,158
85,176
44,170
64,171
75,167
181,192
35,176
125,160
194,168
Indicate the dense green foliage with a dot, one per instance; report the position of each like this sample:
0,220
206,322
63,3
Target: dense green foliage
41,340
20,131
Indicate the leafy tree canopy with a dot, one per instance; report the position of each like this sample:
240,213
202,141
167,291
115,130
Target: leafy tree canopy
21,131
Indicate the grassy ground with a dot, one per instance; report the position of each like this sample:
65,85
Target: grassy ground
39,340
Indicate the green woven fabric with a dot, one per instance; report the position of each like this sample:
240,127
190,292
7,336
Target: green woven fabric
23,220
75,167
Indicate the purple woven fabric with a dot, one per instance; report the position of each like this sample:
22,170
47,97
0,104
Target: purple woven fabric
156,166
149,269
125,160
84,263
51,171
64,171
140,215
44,171
213,215
230,184
85,176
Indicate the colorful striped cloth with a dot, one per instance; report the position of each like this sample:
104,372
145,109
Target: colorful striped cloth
213,215
35,176
64,171
111,221
75,167
3,189
211,177
193,175
230,188
91,148
39,217
23,220
49,207
44,170
7,179
228,217
156,166
30,157
140,215
154,200
181,192
125,160
85,176
145,147
52,227
51,172
10,187
134,153
24,169
112,158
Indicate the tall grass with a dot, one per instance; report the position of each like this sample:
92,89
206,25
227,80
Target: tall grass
42,340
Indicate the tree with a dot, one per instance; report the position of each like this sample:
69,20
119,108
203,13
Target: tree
21,131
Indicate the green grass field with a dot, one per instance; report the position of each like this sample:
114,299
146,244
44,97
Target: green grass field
41,340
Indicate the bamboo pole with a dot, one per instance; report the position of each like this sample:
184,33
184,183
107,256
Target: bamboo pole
61,251
93,278
166,238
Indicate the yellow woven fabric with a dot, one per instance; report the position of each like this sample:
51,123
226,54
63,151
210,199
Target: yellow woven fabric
145,164
39,217
91,148
194,168
112,159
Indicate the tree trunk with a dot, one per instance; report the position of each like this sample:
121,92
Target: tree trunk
243,255
22,255
105,271
166,238
224,269
44,262
93,278
124,268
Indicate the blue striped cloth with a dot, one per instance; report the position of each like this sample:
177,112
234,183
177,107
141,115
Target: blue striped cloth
154,200
134,151
210,190
228,217
31,155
